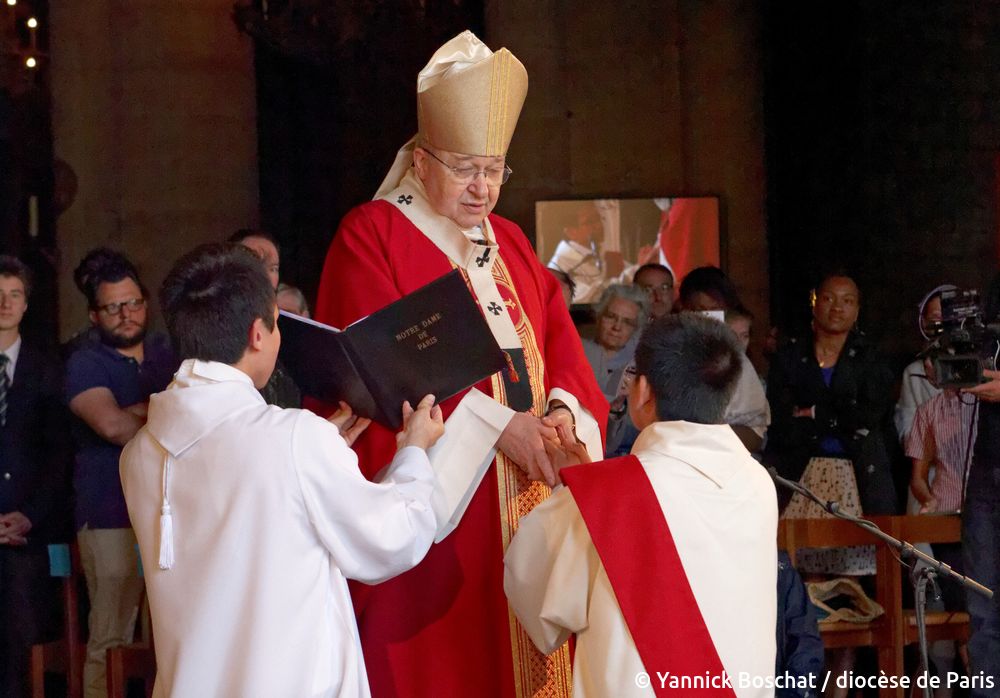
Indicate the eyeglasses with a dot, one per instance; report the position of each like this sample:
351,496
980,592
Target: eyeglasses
132,304
630,321
495,176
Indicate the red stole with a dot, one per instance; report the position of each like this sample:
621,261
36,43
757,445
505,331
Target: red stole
650,585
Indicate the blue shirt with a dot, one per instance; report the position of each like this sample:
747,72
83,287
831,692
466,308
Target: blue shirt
99,499
830,445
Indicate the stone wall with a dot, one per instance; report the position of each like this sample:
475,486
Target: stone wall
641,99
154,109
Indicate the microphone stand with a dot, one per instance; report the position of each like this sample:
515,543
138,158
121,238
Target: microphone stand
920,576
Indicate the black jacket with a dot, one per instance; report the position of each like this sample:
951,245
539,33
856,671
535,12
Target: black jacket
35,449
856,409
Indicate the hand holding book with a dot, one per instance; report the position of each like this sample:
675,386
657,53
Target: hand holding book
349,424
401,352
422,427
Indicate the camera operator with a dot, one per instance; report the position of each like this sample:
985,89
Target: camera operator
981,521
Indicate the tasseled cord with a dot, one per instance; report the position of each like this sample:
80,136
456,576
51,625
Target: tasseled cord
166,522
511,371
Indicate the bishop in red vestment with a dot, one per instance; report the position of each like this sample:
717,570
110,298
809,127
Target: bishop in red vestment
444,628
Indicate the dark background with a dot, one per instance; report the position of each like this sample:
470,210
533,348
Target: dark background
881,132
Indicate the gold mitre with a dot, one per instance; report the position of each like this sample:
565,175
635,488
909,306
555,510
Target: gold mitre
469,98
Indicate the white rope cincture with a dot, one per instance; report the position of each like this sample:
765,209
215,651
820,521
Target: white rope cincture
166,522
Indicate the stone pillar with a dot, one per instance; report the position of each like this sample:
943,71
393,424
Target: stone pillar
154,109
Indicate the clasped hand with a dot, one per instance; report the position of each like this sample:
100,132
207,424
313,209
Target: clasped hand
537,445
14,527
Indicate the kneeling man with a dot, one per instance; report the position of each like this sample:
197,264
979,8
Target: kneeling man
258,515
662,563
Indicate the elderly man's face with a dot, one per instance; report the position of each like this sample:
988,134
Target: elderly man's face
467,204
659,284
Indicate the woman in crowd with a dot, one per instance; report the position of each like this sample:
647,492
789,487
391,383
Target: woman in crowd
621,314
831,405
831,409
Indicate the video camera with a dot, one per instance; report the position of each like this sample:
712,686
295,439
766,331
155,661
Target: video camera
964,343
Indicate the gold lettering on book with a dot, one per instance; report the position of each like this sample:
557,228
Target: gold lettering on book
408,332
420,332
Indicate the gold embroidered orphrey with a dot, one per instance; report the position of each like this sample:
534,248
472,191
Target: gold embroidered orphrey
535,675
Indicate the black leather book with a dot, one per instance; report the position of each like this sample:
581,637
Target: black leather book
434,340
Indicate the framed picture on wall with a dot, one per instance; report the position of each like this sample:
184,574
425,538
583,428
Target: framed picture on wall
597,242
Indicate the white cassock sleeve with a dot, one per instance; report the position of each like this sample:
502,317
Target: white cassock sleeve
373,530
549,569
462,456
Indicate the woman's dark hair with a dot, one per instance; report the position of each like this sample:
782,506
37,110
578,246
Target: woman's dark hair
835,273
244,233
711,281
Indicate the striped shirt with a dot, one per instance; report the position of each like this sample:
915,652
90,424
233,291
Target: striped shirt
943,433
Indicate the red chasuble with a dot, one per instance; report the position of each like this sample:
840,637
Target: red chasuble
633,540
444,628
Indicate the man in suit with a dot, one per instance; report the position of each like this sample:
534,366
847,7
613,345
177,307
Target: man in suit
34,455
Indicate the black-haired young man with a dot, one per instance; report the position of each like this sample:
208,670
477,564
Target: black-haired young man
663,561
251,517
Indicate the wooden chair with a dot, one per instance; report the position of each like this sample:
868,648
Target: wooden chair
66,655
134,661
890,633
881,633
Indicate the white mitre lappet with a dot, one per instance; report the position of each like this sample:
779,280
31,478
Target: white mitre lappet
468,101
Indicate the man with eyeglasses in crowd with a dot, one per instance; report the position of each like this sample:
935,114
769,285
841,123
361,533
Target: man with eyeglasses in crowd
444,628
658,282
108,384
